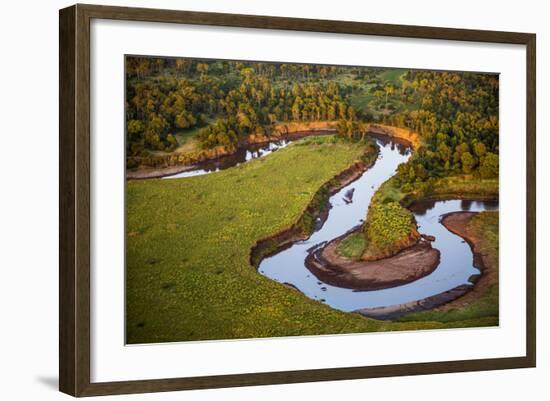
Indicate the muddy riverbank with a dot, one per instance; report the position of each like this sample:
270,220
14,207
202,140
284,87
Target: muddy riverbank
221,158
317,212
406,266
458,223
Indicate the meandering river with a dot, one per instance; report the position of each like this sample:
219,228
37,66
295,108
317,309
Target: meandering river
456,263
288,266
242,155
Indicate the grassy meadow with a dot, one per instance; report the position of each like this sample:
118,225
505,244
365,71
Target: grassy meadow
352,246
188,274
189,240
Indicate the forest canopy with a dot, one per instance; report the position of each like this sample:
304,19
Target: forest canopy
221,103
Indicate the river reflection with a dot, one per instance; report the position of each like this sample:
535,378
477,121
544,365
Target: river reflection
420,208
256,151
395,144
242,155
455,268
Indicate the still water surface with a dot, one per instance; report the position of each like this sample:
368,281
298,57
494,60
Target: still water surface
242,155
456,265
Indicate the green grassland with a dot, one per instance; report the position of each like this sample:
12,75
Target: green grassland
363,98
185,136
392,75
352,246
188,270
188,273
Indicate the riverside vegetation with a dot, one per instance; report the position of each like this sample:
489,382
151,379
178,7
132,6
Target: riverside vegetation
483,227
188,241
189,275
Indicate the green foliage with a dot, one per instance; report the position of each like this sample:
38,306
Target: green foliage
468,162
392,232
456,115
459,186
453,112
489,166
167,95
480,149
389,227
221,133
352,246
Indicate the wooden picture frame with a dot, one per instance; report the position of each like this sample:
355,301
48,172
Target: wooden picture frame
74,204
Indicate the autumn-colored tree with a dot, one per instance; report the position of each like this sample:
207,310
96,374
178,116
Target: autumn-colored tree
468,162
488,167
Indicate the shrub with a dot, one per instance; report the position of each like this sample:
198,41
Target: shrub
389,229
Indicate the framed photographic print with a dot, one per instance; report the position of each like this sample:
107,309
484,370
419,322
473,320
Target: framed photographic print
250,200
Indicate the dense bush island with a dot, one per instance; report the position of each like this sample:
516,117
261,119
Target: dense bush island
389,228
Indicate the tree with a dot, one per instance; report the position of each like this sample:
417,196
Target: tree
388,90
185,120
488,167
453,113
378,95
459,151
468,162
345,128
202,68
444,152
172,141
135,128
296,112
421,172
412,174
480,149
342,109
152,139
181,65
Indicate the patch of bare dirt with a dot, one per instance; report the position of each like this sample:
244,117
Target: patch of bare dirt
406,266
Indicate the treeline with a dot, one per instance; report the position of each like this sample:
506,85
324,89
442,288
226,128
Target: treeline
455,114
228,99
457,119
257,105
144,67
